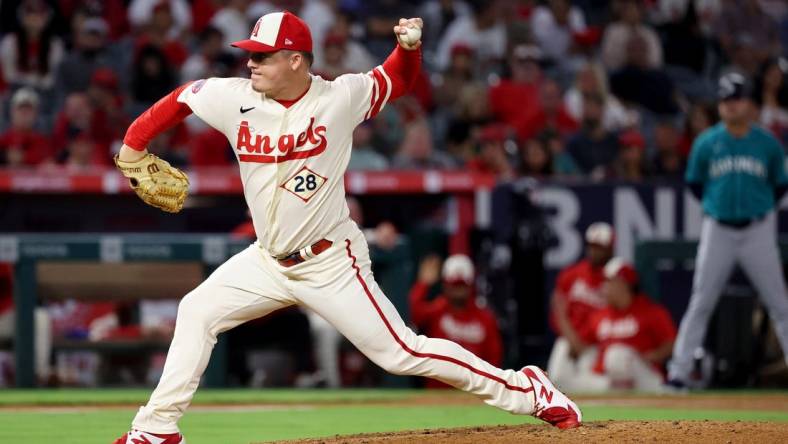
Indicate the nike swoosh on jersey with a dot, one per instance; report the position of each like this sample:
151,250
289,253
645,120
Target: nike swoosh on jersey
244,110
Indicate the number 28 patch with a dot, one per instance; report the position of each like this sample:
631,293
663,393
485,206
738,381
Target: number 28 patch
304,184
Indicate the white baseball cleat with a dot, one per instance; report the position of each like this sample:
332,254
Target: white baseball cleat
140,437
550,405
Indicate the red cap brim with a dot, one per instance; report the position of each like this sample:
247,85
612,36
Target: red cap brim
253,46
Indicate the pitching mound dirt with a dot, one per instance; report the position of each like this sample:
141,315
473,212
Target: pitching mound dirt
592,432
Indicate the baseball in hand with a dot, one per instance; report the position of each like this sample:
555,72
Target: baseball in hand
411,37
408,32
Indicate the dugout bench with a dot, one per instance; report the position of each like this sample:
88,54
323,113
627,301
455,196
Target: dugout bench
183,261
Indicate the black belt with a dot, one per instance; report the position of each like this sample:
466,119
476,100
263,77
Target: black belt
741,223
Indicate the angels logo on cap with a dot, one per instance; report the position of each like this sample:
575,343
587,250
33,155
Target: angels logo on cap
278,30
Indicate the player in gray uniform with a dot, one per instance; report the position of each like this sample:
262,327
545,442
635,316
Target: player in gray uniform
737,170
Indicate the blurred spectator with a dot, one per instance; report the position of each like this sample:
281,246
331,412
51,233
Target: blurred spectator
210,60
484,31
771,94
591,79
535,158
619,34
593,147
576,297
668,162
364,156
79,118
492,156
417,152
21,144
454,314
471,111
459,142
202,12
89,53
685,43
152,78
157,33
82,156
627,83
113,13
440,14
744,57
30,54
550,114
107,100
514,96
699,117
448,88
209,147
320,16
172,145
630,162
142,12
554,26
634,336
342,56
747,34
231,20
562,162
700,13
380,17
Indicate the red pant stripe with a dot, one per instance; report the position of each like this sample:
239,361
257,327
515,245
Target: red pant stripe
414,352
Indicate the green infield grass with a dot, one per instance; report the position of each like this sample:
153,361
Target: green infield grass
247,416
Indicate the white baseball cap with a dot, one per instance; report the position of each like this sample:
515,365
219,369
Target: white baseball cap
600,233
458,267
619,268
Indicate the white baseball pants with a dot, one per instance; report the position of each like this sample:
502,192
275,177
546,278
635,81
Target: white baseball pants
623,367
338,285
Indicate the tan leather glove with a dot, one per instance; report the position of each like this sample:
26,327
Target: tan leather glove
156,182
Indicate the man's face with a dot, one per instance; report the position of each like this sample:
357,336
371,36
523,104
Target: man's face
598,255
617,293
457,292
23,116
270,71
736,111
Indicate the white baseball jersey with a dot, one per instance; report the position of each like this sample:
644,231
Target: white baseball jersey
292,160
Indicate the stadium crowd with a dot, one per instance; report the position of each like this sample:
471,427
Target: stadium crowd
587,88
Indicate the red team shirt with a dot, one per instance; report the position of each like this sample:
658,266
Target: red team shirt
472,327
580,285
644,326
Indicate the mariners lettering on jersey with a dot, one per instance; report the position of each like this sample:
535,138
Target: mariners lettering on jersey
265,148
582,292
623,328
737,164
472,333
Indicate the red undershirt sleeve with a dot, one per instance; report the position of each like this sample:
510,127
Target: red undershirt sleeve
403,68
160,117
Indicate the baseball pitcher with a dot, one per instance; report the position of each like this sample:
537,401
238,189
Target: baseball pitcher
737,171
291,132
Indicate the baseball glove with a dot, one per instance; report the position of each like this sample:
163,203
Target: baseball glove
156,182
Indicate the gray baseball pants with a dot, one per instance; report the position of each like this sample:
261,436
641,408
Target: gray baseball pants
755,249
